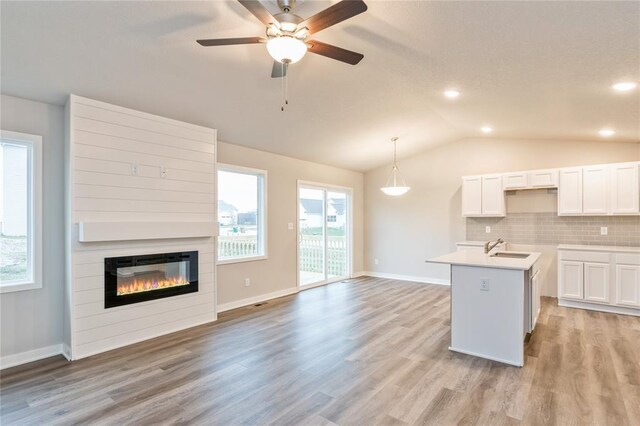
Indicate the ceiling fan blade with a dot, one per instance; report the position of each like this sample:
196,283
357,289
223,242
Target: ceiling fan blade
334,52
230,41
259,11
337,13
279,69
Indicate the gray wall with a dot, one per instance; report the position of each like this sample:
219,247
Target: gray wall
278,272
32,319
402,232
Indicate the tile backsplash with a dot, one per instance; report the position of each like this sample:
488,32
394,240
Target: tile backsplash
547,228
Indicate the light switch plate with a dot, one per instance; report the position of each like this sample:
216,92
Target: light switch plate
290,226
487,229
604,230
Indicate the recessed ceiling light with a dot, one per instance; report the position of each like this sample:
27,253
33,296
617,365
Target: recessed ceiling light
486,129
624,86
452,93
607,132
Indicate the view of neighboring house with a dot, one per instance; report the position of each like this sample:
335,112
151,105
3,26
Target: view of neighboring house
312,215
227,214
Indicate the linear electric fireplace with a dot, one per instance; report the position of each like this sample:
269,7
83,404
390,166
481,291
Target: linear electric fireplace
134,279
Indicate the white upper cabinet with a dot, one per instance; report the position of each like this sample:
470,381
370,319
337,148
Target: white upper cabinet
594,190
492,196
472,196
605,189
570,192
624,188
515,180
543,178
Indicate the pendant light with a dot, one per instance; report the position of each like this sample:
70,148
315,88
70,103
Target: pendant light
395,189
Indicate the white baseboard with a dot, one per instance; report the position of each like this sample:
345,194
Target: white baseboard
9,361
426,280
358,274
597,307
492,358
256,299
66,351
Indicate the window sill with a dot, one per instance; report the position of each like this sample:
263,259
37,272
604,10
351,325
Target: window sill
19,286
241,260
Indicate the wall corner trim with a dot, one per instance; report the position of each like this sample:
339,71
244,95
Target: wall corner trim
13,360
418,279
257,299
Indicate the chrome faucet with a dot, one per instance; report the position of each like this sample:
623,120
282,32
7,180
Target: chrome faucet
488,246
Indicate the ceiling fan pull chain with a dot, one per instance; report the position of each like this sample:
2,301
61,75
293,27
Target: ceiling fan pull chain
283,94
286,84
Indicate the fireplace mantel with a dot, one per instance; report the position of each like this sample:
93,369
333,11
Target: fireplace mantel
130,231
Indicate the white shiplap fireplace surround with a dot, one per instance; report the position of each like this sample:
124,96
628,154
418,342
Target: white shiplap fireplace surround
136,184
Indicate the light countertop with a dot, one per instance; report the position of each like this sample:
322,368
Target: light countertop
477,258
618,249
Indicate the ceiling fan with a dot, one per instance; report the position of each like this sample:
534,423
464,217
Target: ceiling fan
287,33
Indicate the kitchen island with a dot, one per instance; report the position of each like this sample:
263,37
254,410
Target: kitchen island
495,300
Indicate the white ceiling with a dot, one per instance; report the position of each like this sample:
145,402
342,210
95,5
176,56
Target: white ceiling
530,69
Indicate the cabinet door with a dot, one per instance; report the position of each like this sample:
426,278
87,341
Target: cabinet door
594,190
596,282
624,189
535,301
543,179
628,285
571,279
472,196
514,180
570,192
492,196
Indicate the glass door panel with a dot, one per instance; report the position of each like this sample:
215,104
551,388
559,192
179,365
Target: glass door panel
336,230
311,235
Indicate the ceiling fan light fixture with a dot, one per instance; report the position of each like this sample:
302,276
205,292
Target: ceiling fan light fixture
286,49
395,184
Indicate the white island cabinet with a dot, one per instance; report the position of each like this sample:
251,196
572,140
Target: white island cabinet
495,302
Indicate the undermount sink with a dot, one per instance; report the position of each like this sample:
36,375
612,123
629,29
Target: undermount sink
510,255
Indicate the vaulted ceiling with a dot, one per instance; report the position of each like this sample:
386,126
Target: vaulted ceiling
530,69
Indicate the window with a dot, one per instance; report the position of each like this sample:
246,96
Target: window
241,214
20,211
332,218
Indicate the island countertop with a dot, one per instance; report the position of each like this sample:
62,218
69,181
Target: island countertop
476,258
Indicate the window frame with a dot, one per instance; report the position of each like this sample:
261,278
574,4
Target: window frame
34,200
261,218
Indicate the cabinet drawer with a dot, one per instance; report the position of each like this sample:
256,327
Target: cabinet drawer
515,180
628,258
543,178
584,256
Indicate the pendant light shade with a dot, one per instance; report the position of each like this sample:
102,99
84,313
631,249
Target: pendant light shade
395,184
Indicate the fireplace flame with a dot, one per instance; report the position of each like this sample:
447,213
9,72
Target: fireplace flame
140,285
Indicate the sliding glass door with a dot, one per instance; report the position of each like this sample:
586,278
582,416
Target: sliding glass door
324,250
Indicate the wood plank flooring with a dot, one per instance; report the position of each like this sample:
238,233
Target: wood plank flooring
361,352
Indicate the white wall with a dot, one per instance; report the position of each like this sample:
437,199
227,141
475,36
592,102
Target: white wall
402,232
278,272
32,319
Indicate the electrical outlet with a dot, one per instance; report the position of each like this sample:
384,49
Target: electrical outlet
375,261
247,282
484,284
604,230
163,171
134,169
290,226
487,229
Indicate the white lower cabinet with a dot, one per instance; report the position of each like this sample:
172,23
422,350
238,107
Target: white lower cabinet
628,285
596,282
535,300
571,279
600,280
